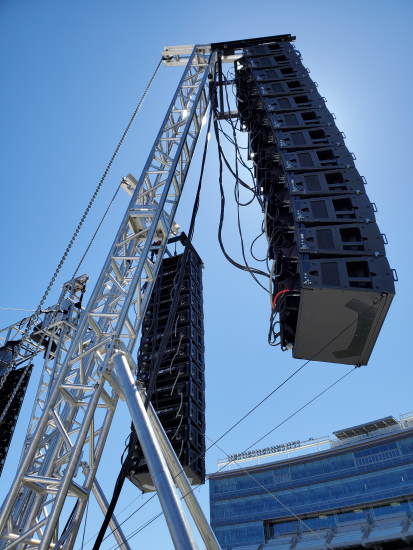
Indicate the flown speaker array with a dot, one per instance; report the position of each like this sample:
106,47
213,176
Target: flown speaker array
179,394
332,281
10,378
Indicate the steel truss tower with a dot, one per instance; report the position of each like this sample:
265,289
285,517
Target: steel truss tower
71,420
48,335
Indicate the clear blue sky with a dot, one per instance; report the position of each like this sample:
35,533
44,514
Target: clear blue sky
71,73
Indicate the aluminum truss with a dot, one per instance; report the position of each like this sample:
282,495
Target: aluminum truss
56,331
51,335
24,352
82,398
46,336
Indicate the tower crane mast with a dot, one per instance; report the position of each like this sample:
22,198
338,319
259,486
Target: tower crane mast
70,423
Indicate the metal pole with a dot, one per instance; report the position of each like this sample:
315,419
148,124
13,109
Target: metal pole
181,481
178,527
113,523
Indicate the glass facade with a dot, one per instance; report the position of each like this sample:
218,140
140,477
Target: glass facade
349,483
332,520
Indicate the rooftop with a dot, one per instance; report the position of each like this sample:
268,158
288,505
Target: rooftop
294,449
367,428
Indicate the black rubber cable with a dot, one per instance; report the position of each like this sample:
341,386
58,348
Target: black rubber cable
113,501
221,219
179,278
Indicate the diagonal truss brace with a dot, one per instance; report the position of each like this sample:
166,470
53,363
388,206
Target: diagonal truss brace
80,405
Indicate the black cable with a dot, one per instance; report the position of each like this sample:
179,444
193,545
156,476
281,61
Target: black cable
131,515
252,247
255,407
84,525
272,334
66,528
234,142
126,443
238,147
238,156
222,214
230,169
244,257
179,278
253,271
112,504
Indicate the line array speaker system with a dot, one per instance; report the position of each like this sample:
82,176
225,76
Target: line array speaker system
333,284
179,394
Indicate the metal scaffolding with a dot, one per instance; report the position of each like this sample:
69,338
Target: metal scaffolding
77,398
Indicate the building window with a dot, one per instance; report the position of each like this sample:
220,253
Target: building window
276,529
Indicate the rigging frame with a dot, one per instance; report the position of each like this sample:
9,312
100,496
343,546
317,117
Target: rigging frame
75,418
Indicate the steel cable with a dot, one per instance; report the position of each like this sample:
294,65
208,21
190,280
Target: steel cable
32,320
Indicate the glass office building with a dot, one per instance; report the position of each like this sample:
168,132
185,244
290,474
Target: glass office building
356,492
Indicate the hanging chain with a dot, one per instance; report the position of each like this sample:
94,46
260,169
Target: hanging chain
33,318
